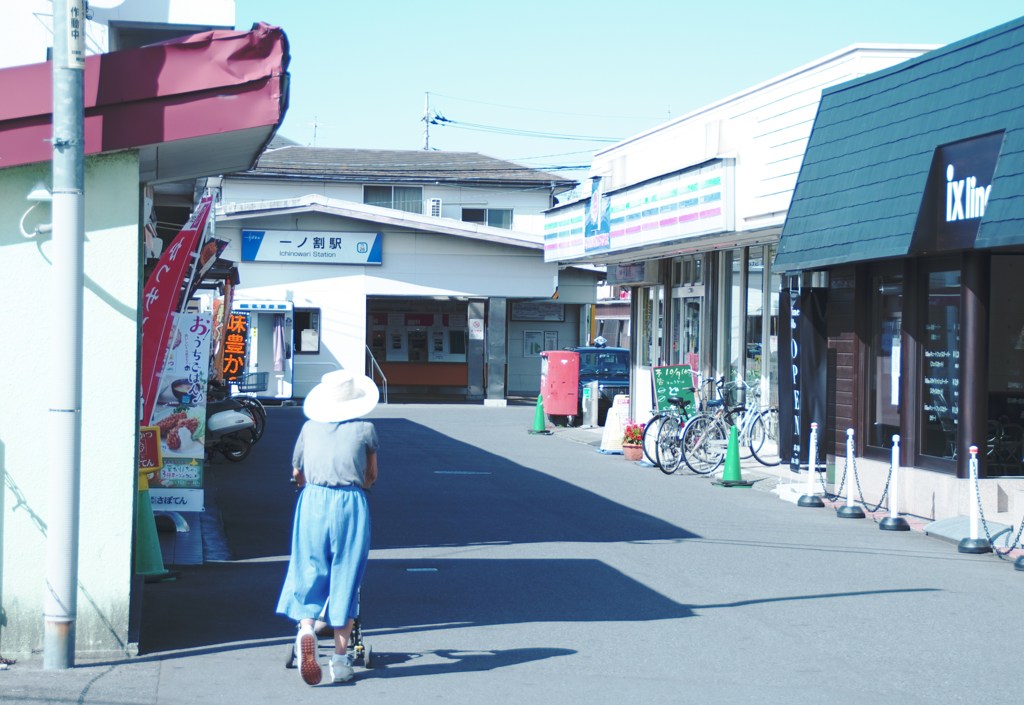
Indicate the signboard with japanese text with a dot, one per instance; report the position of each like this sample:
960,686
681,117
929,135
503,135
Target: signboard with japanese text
309,247
163,500
150,457
180,411
673,381
236,341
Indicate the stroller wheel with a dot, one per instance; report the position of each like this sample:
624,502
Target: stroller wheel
367,656
290,662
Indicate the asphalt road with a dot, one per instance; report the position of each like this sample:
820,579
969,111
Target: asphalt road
509,567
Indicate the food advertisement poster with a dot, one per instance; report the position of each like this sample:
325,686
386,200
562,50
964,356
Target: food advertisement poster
180,411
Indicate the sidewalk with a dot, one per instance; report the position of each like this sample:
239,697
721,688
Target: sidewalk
789,486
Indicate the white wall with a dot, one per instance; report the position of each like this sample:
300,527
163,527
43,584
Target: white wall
110,398
28,25
765,128
527,204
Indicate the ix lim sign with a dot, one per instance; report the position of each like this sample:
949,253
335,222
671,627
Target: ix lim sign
959,187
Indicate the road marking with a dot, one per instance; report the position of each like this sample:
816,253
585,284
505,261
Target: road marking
460,472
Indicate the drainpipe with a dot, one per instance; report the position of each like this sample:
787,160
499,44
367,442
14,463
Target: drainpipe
65,417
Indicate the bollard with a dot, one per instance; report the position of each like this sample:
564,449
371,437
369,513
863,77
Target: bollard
850,510
894,522
810,499
974,544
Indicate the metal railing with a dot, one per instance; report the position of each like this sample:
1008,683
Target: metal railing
375,370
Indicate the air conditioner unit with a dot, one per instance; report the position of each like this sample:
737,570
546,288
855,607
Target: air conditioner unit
435,207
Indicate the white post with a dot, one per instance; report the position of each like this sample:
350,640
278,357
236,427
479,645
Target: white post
974,544
894,522
894,481
973,479
849,468
810,499
812,458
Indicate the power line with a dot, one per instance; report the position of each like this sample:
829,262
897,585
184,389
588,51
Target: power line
494,129
551,112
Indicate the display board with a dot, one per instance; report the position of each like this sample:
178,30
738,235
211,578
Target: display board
673,381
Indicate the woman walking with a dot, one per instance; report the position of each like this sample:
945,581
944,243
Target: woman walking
334,461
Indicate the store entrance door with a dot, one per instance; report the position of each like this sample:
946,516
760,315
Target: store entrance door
686,326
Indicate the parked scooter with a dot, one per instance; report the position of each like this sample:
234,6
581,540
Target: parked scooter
230,429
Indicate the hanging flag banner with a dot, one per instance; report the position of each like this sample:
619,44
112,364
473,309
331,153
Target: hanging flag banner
161,297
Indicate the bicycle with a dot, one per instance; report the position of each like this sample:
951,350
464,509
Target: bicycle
705,439
660,439
662,432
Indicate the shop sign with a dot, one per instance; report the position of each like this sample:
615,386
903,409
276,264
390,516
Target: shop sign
149,449
236,341
310,247
667,209
177,500
959,187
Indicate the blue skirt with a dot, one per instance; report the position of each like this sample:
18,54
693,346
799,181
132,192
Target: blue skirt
330,546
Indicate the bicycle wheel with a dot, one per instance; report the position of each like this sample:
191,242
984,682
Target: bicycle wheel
741,418
669,453
757,431
703,444
768,452
650,438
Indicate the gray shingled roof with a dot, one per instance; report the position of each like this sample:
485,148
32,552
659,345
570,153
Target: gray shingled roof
386,166
868,158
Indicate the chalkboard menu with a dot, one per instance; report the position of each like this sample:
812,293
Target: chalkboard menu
673,381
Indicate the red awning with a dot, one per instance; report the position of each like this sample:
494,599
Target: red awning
203,104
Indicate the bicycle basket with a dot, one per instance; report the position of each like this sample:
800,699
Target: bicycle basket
733,393
252,382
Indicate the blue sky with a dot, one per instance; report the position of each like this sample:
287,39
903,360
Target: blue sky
361,70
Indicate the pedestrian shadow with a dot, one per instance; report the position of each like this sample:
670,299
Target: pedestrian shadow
422,595
406,665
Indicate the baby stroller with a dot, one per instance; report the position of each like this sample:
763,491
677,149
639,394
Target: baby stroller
357,648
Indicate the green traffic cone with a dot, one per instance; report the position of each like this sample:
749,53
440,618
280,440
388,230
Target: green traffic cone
539,426
731,475
149,560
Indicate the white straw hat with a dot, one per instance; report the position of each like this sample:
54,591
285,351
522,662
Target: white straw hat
341,396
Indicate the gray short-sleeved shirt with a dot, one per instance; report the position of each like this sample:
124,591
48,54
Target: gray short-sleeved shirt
334,454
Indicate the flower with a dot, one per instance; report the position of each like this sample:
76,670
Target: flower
633,434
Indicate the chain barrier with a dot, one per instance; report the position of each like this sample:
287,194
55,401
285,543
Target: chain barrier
885,490
1002,555
839,491
856,476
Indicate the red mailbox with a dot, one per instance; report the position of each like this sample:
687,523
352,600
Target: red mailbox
560,381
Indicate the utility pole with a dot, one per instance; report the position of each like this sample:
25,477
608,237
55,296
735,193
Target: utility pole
60,603
426,122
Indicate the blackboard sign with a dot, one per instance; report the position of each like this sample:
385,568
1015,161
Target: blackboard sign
673,381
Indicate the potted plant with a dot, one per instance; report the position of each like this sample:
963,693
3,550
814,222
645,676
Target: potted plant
632,441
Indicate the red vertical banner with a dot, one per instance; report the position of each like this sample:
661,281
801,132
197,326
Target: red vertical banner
161,298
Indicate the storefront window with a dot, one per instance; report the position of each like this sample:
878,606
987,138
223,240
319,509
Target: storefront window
734,285
651,317
774,289
755,315
1005,432
940,398
883,355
